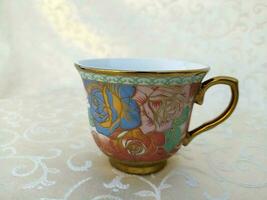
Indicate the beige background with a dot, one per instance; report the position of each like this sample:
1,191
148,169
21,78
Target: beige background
45,151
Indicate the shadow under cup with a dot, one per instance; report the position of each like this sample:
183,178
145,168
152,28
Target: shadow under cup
139,109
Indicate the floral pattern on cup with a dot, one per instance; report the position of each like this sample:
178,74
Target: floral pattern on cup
112,107
133,145
136,122
160,106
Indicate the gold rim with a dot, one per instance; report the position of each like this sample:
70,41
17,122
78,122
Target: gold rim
142,73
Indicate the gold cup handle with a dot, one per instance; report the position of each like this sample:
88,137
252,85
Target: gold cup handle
233,83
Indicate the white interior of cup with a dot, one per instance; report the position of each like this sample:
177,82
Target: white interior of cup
140,65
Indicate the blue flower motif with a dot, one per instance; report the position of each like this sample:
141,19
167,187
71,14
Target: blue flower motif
112,107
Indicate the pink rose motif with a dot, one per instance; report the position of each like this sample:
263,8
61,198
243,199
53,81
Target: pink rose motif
159,106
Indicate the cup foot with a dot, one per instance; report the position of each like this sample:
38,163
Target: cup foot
140,169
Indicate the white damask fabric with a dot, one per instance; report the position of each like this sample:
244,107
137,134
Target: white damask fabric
46,150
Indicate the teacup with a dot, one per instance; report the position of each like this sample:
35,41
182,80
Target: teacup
140,109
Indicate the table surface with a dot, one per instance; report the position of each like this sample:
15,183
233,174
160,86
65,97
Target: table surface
47,152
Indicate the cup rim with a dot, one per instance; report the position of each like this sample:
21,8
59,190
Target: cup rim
139,66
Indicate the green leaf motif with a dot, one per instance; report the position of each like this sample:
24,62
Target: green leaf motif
182,119
173,136
91,120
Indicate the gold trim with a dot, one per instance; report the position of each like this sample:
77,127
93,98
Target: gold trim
142,168
233,83
141,73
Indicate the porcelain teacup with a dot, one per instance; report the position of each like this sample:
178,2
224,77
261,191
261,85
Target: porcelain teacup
139,109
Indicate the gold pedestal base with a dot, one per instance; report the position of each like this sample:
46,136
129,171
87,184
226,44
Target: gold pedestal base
140,169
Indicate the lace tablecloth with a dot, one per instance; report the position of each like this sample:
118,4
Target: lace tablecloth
46,150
